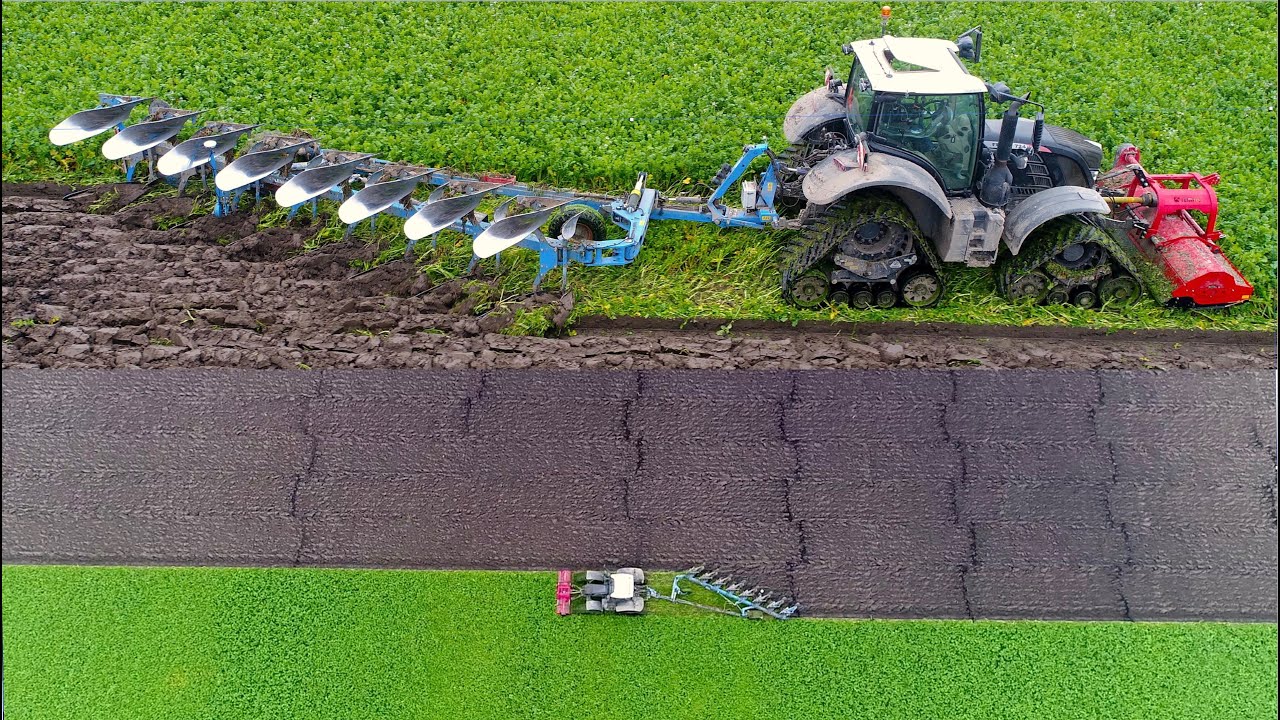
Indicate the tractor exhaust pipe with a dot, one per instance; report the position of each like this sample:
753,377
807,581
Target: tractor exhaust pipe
999,179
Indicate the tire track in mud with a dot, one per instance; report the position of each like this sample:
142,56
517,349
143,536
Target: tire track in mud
905,493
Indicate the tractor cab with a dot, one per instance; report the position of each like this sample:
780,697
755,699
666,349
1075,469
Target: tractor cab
913,97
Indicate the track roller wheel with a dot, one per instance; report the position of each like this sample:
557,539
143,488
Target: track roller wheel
1085,298
810,290
922,289
862,300
839,298
1032,288
1120,290
886,298
591,226
1058,295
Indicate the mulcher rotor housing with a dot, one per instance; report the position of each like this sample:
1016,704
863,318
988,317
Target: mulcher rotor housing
889,175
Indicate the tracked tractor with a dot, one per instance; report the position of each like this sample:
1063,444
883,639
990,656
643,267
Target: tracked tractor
889,174
896,170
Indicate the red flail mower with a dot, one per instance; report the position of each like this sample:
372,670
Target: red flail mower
1155,214
564,592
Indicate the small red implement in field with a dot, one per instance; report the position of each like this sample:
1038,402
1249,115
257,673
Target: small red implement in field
1156,212
564,592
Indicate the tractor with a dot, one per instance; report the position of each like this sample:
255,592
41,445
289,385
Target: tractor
896,170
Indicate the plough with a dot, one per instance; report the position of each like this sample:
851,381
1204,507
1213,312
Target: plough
300,172
888,176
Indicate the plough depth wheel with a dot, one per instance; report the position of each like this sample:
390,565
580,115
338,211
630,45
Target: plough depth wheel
591,227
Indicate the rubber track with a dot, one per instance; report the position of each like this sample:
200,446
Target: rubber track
1052,239
817,239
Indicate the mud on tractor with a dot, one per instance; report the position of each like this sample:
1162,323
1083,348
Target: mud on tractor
889,174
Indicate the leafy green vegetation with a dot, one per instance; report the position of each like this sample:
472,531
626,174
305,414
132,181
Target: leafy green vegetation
587,95
84,642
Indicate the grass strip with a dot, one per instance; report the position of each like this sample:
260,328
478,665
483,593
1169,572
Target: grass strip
95,642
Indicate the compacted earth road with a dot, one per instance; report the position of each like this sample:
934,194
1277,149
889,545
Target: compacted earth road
1130,475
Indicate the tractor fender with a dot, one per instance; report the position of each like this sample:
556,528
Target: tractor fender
839,175
813,110
1047,205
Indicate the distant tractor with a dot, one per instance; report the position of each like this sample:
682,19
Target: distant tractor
622,591
896,171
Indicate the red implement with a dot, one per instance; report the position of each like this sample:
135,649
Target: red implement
1168,235
564,592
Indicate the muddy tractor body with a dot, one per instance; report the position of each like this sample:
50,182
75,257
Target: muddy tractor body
896,170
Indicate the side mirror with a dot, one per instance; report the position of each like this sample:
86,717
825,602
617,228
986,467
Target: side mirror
1000,92
830,82
970,44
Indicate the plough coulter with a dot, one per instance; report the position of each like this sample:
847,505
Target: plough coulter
886,177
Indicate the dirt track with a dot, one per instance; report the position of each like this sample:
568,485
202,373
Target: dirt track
83,289
1082,491
906,493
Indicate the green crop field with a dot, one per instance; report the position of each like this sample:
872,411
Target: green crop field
587,95
137,643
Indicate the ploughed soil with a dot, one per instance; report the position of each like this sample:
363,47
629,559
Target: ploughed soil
102,279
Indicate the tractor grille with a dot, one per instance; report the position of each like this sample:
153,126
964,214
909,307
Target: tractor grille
1031,179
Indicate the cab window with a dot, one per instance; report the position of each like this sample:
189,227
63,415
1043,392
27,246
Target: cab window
940,129
858,98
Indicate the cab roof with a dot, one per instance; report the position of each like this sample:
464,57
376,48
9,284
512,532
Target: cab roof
921,66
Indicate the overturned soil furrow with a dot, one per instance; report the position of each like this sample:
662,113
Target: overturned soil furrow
101,279
1083,495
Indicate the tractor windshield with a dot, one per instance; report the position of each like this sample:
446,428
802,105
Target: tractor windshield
858,98
943,130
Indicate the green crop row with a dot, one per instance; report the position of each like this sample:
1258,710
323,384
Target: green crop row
585,95
136,643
